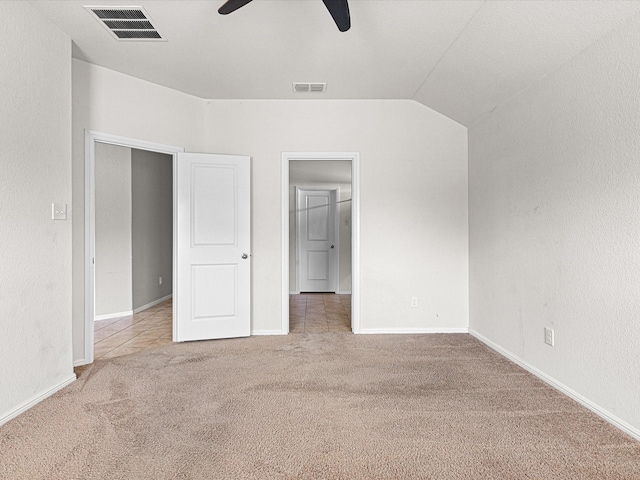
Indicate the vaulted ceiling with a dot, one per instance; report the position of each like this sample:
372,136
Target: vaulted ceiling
460,57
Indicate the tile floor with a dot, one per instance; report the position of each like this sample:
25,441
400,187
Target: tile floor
309,312
319,313
130,334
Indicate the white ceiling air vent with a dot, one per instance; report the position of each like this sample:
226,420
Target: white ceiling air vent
302,87
126,23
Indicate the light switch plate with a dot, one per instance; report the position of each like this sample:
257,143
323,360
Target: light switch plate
59,211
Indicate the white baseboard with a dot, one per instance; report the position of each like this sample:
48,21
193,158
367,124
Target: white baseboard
79,363
337,293
601,412
268,332
108,316
413,331
152,304
24,406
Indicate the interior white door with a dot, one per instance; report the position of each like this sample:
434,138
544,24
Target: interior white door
316,240
213,251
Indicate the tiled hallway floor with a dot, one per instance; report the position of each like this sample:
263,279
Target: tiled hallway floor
319,313
130,334
309,312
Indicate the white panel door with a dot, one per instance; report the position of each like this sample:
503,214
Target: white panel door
316,240
213,251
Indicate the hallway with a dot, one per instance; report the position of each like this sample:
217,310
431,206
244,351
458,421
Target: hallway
319,313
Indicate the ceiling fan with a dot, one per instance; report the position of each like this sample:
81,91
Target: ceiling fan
339,10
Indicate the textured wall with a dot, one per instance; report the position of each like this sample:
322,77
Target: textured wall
413,201
113,270
35,251
554,195
152,230
345,213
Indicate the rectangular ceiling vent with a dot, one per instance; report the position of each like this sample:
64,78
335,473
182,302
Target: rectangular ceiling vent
127,23
305,87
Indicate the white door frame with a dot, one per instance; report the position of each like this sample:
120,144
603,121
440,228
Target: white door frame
354,158
90,139
336,234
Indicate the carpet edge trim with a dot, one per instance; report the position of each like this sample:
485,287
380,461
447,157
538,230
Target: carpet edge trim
562,388
34,400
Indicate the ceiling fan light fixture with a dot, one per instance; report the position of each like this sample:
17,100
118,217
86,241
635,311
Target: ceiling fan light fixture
339,10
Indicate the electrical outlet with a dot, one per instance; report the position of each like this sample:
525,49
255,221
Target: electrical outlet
159,280
414,302
548,336
59,211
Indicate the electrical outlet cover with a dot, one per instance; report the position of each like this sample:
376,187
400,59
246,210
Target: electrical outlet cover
548,336
58,211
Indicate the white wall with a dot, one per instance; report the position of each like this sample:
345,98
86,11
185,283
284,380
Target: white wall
35,251
413,201
554,195
345,225
114,103
152,226
413,188
113,270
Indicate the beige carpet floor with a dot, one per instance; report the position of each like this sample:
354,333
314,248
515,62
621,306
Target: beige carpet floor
326,406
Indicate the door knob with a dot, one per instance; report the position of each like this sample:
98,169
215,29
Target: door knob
245,256
331,246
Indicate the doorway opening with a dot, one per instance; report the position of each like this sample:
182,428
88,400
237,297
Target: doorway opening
133,250
320,242
161,305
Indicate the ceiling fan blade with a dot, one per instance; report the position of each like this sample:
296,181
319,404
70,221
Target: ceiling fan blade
339,10
231,6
